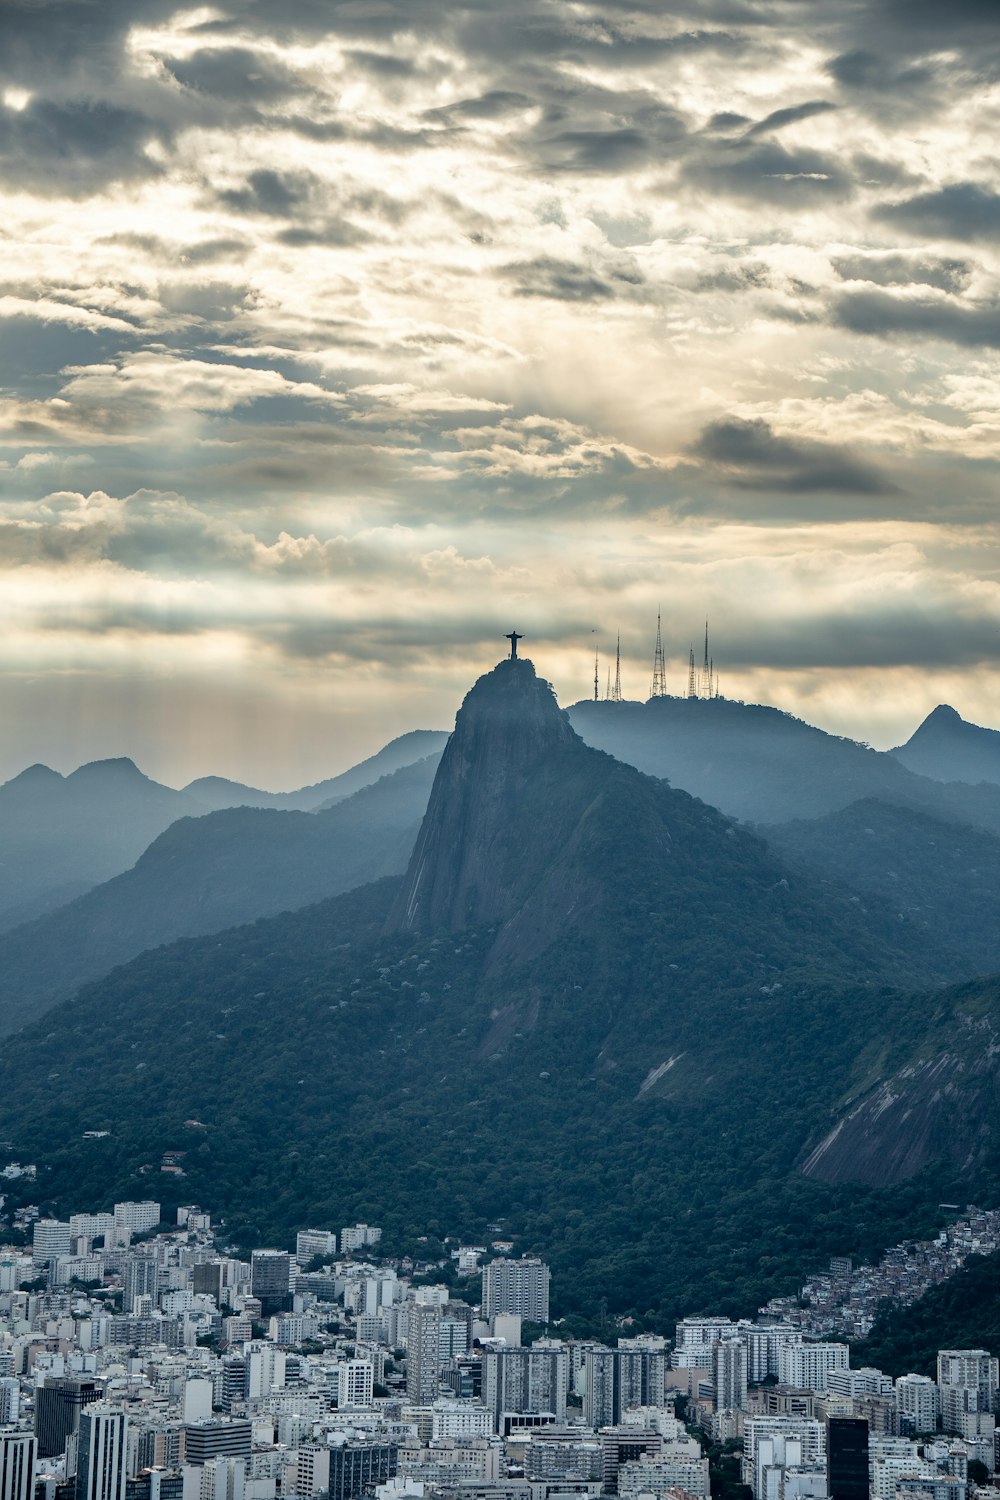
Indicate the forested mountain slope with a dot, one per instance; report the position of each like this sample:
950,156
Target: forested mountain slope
623,1050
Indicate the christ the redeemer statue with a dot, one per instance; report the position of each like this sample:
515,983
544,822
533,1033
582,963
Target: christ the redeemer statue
513,637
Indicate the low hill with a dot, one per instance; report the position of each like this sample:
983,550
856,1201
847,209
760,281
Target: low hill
764,766
943,877
204,874
949,748
593,1009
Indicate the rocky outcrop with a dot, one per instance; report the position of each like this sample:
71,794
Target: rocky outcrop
472,864
940,1108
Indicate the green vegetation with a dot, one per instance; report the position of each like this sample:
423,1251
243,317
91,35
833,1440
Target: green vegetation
962,1313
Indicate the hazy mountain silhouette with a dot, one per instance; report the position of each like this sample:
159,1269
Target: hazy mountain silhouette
211,872
216,792
764,766
949,748
61,834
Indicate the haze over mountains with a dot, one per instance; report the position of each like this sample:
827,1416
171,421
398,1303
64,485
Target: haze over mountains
588,987
207,873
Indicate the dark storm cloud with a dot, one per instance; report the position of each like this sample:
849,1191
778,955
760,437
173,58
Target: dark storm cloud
975,325
272,193
767,172
586,129
961,211
77,147
382,63
931,633
904,270
753,456
235,74
566,281
883,82
779,118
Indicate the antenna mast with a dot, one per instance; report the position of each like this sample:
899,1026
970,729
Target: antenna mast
616,696
659,688
595,673
692,680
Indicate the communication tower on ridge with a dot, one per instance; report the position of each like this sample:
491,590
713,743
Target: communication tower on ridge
702,683
659,688
616,691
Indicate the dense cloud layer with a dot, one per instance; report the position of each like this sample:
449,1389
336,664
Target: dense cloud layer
339,338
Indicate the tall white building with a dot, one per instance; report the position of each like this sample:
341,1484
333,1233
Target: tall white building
526,1380
310,1242
18,1456
101,1453
967,1383
140,1218
350,1382
729,1374
917,1404
357,1236
264,1370
808,1366
764,1342
10,1399
221,1478
775,1444
695,1338
50,1238
423,1352
517,1286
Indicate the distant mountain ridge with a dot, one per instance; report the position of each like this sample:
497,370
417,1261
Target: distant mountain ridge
761,765
208,873
62,835
949,748
216,792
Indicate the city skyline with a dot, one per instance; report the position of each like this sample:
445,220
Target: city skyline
337,344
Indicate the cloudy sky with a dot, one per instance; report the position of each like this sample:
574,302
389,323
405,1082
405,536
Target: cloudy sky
342,336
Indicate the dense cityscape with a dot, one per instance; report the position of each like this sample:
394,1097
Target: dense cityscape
146,1361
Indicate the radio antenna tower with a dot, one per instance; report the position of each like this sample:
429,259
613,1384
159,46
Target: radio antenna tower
596,649
659,688
616,696
692,680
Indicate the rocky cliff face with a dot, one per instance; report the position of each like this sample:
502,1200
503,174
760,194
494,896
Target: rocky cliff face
470,866
943,1105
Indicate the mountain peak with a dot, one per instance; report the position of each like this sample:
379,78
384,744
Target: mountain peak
943,714
464,869
119,766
